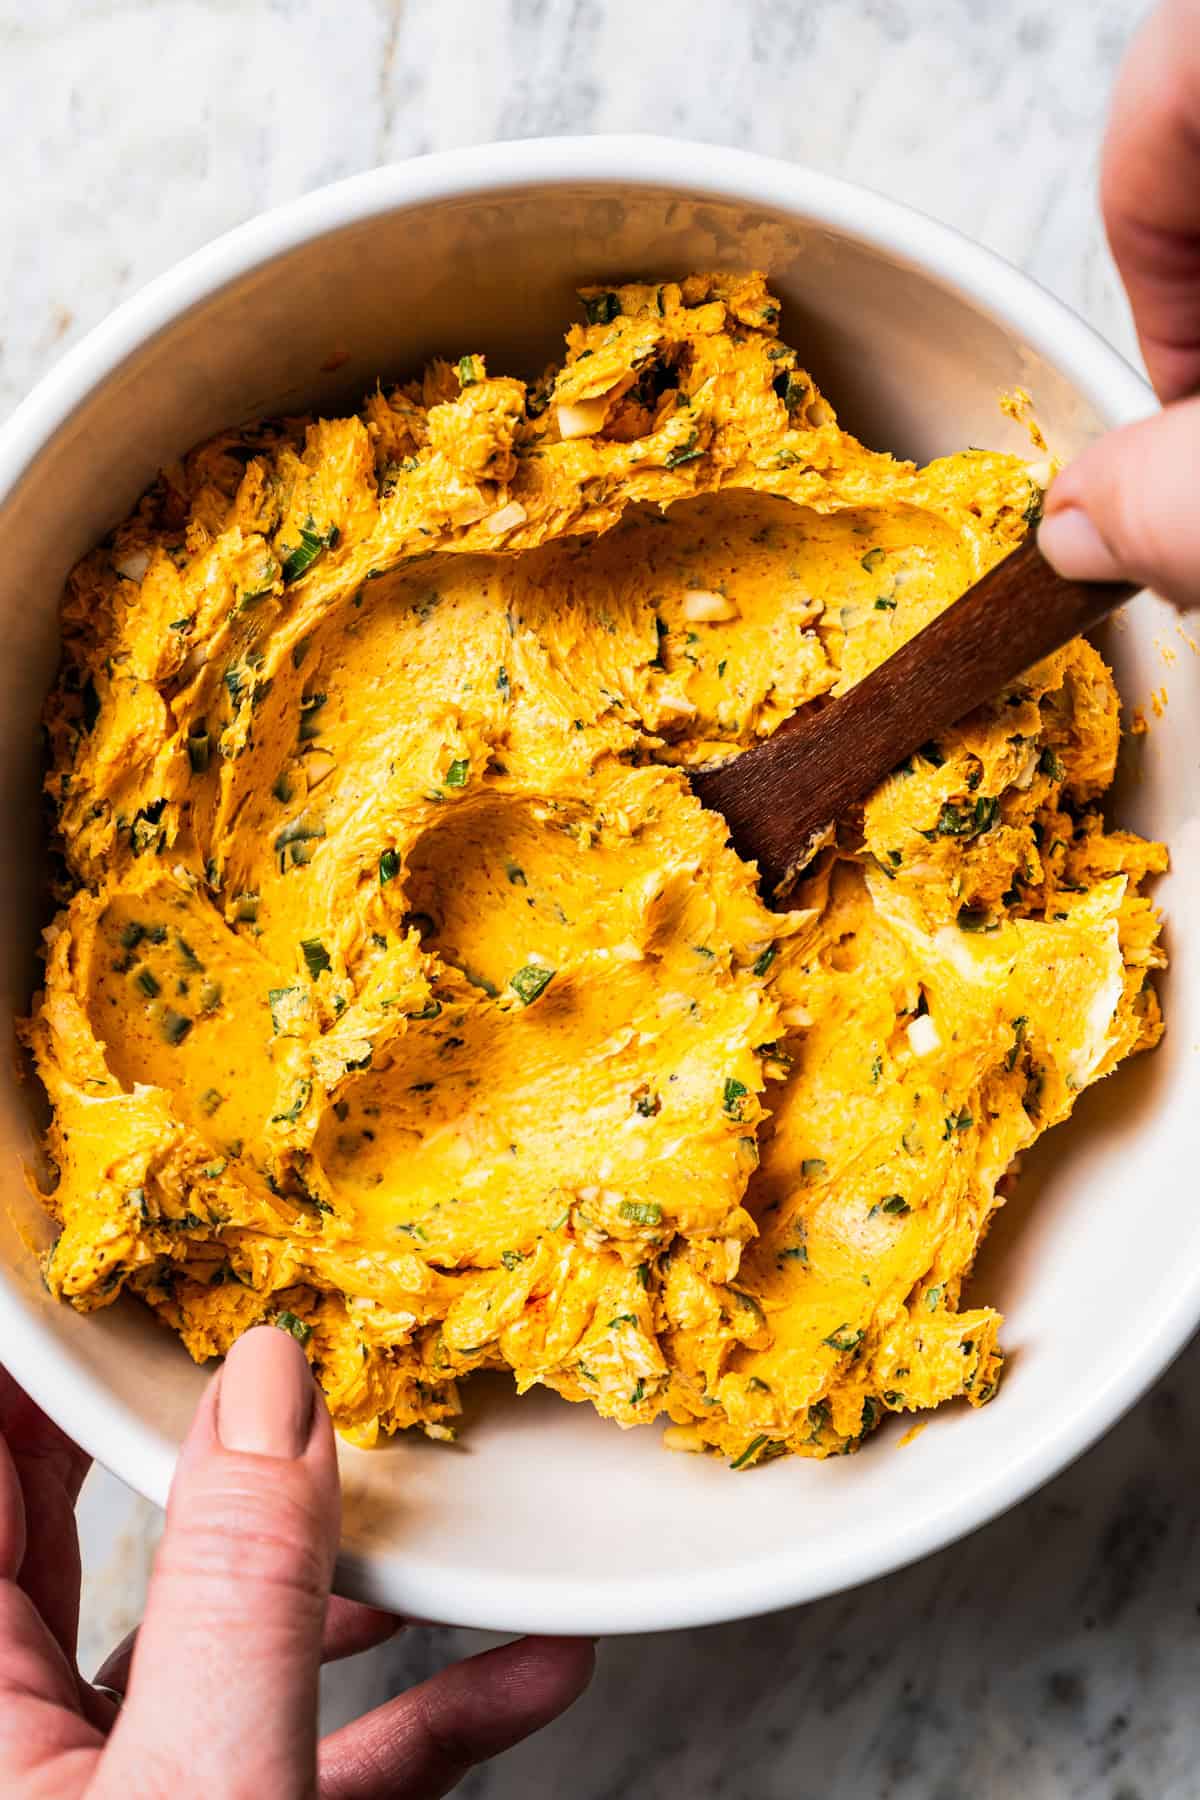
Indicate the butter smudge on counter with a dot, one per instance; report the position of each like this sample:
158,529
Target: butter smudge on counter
400,991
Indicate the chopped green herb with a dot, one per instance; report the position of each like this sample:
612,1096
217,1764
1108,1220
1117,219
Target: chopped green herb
287,1321
872,559
147,981
174,1026
895,1203
389,866
622,1319
682,453
469,373
310,725
289,1008
316,957
512,1259
735,1094
502,681
751,1453
210,1100
883,604
639,1393
245,906
813,1166
648,1105
531,981
641,1212
187,955
300,558
643,1275
303,1093
976,918
431,1010
762,963
876,1069
1050,763
844,1338
600,309
1020,1027
933,1298
959,1121
456,774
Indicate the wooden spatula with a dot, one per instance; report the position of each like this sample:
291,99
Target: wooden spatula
780,797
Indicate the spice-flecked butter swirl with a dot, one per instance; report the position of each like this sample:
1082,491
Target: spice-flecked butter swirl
401,992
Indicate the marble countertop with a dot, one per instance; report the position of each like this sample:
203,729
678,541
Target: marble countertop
1057,1652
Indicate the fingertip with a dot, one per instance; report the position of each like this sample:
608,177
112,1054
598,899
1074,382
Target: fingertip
1069,540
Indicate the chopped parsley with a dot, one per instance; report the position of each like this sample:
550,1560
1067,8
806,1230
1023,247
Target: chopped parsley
845,1338
735,1094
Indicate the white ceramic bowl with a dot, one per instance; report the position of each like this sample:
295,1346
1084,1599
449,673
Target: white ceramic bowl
546,1518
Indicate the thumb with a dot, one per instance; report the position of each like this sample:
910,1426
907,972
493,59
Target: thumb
1126,510
223,1688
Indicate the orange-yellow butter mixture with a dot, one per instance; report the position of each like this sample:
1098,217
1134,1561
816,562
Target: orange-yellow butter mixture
401,991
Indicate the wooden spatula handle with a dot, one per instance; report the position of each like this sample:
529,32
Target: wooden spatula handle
776,796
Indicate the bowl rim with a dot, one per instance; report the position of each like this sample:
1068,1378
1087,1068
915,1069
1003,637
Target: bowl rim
63,1385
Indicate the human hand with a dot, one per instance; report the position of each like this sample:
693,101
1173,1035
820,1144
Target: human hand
220,1681
1129,507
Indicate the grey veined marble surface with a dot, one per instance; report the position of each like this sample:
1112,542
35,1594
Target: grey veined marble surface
1057,1652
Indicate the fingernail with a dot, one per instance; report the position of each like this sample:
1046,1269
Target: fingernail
265,1401
1070,541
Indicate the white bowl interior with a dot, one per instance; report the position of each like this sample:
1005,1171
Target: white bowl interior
545,1517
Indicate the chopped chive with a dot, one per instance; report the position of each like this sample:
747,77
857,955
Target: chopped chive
303,1093
389,866
456,774
872,559
148,981
895,1203
468,372
289,1008
531,981
300,558
844,1338
763,962
174,1026
316,957
210,1100
641,1212
1019,1028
